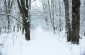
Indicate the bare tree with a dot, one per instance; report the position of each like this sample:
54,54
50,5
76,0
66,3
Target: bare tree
45,12
68,26
75,21
60,22
52,14
8,5
24,11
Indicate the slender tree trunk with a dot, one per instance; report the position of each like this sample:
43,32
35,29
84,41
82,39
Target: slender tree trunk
52,15
14,29
60,24
75,21
8,12
0,30
45,16
8,24
8,5
68,26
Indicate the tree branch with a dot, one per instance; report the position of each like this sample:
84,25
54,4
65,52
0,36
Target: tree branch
12,17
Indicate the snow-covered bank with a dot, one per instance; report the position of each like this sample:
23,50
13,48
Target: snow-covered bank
41,43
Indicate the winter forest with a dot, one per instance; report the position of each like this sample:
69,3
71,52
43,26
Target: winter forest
42,27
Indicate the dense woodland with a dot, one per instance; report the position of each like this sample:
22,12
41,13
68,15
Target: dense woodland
53,15
16,14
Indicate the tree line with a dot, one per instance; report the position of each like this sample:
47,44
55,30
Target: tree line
72,24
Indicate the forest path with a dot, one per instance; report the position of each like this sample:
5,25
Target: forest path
42,43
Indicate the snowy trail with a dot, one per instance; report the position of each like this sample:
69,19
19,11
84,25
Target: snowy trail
45,44
41,43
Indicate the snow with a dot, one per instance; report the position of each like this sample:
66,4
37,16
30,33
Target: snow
42,43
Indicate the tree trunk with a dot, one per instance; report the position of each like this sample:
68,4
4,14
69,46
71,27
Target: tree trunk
8,5
0,30
75,21
52,14
68,26
8,24
24,10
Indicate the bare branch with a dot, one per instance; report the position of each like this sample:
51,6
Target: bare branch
19,4
11,4
12,17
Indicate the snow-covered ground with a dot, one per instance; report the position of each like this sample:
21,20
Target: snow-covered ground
42,43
